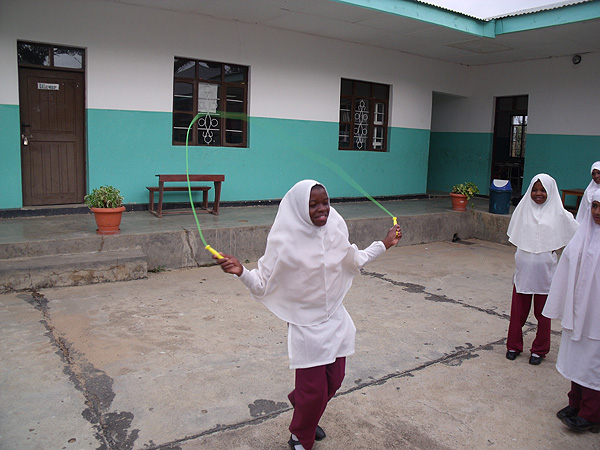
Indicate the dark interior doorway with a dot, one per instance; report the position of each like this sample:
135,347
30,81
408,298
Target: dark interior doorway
510,138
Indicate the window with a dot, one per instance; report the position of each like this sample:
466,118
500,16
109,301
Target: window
218,91
518,136
50,56
363,116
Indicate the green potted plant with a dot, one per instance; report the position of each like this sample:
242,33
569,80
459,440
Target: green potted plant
461,194
106,202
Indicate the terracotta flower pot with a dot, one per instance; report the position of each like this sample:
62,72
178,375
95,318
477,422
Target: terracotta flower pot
459,202
108,219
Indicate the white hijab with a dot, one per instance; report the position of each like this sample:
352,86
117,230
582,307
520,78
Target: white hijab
306,269
575,292
541,228
586,200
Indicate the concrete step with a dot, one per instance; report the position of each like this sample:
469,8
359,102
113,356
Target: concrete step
73,269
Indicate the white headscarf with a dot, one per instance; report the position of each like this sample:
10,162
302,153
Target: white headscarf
306,269
586,200
575,292
541,228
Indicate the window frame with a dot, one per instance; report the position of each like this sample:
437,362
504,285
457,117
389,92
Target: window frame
222,106
355,107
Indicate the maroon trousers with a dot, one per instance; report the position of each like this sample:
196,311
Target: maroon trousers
315,386
519,311
587,400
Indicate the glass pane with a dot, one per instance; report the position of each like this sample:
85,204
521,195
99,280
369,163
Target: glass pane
209,71
183,97
179,135
378,138
185,68
346,87
379,118
182,120
235,100
235,74
381,91
68,57
345,110
362,89
344,139
361,124
208,97
234,134
34,54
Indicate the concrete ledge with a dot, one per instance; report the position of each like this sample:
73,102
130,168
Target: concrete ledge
91,258
71,269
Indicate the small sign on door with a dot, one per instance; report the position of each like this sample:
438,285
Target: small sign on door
48,86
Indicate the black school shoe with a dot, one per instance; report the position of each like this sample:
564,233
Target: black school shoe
512,354
580,424
567,411
535,360
320,434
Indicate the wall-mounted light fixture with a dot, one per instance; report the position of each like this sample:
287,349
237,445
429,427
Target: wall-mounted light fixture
576,59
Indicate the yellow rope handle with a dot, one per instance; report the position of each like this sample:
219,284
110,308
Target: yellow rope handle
214,252
395,219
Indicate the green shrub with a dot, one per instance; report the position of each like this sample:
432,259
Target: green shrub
104,197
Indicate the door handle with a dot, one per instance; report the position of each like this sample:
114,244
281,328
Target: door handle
26,138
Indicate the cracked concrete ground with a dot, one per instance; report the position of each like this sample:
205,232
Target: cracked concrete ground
186,360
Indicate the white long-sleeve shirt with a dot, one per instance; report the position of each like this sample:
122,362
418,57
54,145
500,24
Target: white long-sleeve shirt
316,345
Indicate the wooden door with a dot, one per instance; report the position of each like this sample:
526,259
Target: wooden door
52,136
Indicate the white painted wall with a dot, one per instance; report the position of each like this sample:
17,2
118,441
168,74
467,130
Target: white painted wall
563,98
130,54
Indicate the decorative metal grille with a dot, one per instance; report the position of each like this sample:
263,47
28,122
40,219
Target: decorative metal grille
361,124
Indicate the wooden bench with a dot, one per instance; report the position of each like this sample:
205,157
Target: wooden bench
179,178
578,193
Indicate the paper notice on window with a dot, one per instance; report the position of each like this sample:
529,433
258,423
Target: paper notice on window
207,98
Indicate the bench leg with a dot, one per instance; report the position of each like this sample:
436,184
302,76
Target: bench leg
204,199
161,185
151,202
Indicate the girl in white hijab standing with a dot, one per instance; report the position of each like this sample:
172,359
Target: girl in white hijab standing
575,299
307,268
538,227
593,187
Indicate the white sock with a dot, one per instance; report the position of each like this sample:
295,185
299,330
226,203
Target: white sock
533,354
298,446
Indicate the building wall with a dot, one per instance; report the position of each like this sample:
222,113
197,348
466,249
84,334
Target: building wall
293,101
293,106
563,135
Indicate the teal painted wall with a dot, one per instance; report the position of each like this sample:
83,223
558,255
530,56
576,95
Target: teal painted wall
10,158
459,157
568,159
127,149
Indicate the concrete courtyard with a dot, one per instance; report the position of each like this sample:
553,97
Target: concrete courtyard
185,359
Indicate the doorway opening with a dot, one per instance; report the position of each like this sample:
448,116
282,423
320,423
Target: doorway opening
52,112
510,138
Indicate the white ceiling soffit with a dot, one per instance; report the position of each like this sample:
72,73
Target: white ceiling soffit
351,23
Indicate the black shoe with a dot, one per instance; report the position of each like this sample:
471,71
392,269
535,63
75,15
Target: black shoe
293,442
580,424
512,354
535,360
567,411
319,434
